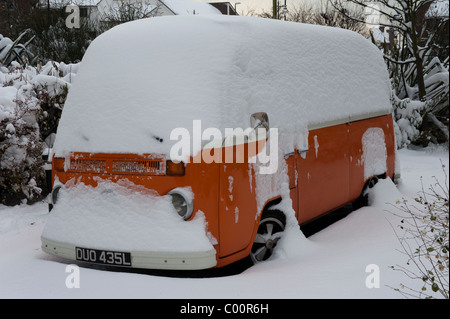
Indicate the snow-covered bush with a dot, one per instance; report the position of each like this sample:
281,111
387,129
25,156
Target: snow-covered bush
20,156
407,120
421,121
31,101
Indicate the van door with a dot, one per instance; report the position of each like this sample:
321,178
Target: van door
323,172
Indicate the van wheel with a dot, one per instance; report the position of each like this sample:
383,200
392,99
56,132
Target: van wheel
270,229
363,199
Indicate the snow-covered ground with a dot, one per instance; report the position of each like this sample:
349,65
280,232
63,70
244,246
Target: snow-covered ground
334,263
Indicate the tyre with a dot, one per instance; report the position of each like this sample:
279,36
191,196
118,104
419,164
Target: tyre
363,199
270,230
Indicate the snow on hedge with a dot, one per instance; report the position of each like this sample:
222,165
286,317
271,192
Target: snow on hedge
140,80
27,96
19,84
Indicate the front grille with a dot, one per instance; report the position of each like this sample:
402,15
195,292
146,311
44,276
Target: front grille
88,165
144,166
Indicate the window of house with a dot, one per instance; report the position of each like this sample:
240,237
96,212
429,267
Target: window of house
83,12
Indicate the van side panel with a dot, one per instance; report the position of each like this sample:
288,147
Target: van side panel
323,172
332,173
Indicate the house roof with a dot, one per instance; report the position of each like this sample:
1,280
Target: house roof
439,8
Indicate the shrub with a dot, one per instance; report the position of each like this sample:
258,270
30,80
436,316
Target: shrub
30,108
21,173
424,239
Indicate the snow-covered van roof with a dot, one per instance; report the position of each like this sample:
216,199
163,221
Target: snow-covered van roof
140,80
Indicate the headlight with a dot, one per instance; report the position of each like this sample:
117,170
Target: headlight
55,192
182,201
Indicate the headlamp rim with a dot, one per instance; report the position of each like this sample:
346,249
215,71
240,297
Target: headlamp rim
187,199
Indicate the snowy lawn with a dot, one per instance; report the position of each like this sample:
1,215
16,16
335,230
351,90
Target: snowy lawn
330,264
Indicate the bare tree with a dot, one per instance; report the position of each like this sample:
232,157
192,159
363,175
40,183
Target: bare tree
327,15
417,72
408,19
124,11
14,16
321,13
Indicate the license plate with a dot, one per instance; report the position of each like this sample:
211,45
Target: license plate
105,257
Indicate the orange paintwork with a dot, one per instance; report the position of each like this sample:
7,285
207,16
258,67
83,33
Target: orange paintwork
328,177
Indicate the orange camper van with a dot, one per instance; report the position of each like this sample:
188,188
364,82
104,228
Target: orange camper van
189,142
